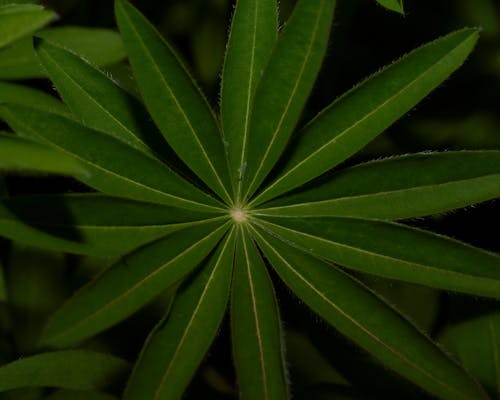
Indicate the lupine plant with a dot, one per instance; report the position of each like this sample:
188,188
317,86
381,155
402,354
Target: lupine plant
218,206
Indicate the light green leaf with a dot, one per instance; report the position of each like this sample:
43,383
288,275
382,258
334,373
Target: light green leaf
65,394
370,322
285,87
476,343
89,224
100,47
393,5
24,95
95,99
9,2
175,348
130,283
252,37
361,114
72,369
114,167
256,327
18,20
395,251
26,155
175,103
399,187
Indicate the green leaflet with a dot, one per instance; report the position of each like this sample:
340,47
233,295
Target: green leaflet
18,20
175,103
476,342
252,37
256,327
19,94
370,322
90,224
285,87
393,5
97,100
394,251
22,154
10,2
65,394
130,283
175,348
361,114
100,47
114,167
71,369
400,187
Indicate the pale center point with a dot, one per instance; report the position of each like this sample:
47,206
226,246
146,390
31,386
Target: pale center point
238,215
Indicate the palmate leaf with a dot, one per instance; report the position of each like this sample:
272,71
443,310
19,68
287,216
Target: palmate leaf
285,86
256,327
175,347
361,114
252,37
130,283
367,320
400,187
70,369
90,224
18,20
175,103
114,167
394,251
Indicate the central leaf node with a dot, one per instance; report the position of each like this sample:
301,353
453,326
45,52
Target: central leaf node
238,215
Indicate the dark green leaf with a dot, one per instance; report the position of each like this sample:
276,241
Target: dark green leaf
175,348
18,94
395,251
393,5
400,187
72,369
285,87
253,34
114,167
175,103
370,322
476,342
256,327
94,98
18,20
65,394
361,114
89,224
130,283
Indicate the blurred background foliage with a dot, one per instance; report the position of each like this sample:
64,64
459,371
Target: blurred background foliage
462,114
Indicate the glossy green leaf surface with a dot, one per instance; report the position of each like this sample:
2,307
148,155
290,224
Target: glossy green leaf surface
18,20
175,103
114,167
130,283
361,114
400,187
89,224
71,369
24,95
362,316
393,5
476,342
395,251
175,348
100,47
285,87
22,154
252,37
256,327
98,101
